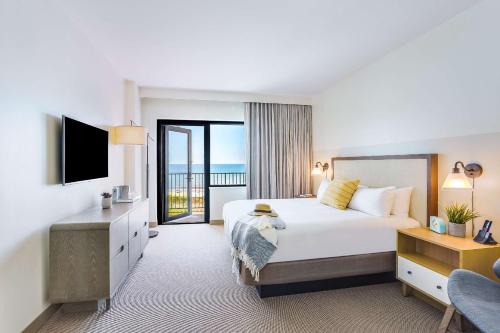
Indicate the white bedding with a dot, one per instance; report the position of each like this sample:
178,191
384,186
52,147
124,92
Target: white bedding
314,230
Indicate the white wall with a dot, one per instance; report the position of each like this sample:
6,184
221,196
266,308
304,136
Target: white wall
436,94
154,109
133,153
221,195
47,69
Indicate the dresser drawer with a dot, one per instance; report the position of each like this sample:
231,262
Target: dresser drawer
118,235
118,268
134,249
437,286
144,236
138,217
426,280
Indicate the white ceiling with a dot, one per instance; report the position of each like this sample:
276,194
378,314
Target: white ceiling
296,47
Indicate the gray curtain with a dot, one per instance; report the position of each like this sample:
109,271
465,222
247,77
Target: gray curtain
279,150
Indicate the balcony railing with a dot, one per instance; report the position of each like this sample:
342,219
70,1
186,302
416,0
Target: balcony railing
228,179
178,189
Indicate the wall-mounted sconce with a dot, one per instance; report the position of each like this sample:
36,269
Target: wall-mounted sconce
458,179
319,168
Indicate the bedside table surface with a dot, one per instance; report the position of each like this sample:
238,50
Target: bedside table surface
444,240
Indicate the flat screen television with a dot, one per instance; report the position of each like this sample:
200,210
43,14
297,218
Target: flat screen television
84,151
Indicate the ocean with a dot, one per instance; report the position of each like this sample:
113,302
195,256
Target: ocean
214,168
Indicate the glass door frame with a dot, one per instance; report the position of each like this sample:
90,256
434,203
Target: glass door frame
160,162
189,182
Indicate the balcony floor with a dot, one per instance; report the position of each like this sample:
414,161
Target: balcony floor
196,217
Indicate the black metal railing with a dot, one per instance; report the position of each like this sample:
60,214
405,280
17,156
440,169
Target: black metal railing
178,189
228,179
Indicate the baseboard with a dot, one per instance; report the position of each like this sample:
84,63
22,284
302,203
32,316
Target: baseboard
42,318
216,222
322,285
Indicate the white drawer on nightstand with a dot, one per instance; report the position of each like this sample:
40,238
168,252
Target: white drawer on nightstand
426,280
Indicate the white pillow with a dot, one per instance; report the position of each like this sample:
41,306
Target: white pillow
373,201
402,197
322,188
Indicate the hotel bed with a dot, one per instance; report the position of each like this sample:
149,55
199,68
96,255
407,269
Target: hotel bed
314,230
322,243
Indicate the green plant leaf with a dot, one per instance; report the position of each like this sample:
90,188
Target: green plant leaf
460,213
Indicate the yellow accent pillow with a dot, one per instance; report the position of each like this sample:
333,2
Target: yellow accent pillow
339,193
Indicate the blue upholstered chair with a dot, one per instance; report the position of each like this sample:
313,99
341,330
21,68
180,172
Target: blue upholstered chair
476,297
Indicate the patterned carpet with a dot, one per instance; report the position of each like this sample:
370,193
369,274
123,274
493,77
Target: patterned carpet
184,284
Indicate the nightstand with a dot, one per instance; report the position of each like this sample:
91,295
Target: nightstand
425,259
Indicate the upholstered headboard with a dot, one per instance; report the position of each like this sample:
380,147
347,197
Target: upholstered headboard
418,170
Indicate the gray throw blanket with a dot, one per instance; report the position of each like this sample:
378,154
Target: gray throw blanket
254,240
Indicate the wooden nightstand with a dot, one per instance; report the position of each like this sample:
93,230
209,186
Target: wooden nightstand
425,259
305,196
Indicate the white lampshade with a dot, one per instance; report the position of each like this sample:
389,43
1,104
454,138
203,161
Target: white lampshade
129,135
457,181
316,171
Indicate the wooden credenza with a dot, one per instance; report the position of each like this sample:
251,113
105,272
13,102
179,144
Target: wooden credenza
92,252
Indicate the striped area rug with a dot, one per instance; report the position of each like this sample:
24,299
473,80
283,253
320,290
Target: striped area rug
184,284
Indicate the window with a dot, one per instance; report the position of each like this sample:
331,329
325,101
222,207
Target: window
227,155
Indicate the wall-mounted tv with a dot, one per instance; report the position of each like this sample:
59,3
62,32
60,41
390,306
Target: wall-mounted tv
84,151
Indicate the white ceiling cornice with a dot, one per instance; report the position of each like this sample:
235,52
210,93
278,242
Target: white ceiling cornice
220,96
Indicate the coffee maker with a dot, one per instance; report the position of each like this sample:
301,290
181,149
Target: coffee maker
122,193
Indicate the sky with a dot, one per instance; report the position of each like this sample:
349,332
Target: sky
227,145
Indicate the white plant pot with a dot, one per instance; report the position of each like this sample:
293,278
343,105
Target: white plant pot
106,203
457,230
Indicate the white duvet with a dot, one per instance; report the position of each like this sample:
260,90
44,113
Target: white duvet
314,230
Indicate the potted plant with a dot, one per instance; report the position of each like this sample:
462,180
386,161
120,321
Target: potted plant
458,216
106,200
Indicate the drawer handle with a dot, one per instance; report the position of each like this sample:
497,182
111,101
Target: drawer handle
135,234
439,287
409,272
122,248
145,223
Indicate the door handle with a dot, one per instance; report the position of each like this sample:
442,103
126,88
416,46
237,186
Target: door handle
122,248
135,234
145,223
